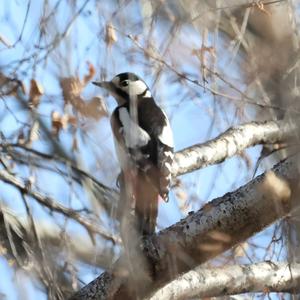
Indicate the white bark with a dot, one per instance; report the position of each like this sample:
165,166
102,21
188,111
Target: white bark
231,142
230,280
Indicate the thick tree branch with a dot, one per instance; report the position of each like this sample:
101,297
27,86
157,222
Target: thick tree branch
215,228
230,143
230,280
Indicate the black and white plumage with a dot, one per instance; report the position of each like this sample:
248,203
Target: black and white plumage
143,140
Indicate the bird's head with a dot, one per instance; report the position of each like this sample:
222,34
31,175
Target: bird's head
125,86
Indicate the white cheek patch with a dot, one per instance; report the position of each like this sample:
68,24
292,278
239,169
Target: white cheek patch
166,136
134,135
137,87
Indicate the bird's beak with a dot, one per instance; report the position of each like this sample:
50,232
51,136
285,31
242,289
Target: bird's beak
104,84
111,88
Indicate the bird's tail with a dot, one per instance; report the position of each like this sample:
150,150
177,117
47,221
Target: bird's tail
146,205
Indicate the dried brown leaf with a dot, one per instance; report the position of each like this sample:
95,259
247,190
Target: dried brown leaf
35,93
91,73
72,120
71,89
95,108
34,132
10,86
56,123
110,36
61,122
64,121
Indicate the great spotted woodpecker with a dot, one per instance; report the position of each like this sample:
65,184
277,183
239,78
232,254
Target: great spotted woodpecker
144,141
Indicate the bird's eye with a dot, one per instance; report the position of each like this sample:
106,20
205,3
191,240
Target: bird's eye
124,83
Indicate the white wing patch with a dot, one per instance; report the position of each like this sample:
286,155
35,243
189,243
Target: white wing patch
147,94
134,135
166,136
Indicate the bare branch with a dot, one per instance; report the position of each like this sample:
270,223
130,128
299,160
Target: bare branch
16,234
230,280
230,143
78,247
108,197
53,205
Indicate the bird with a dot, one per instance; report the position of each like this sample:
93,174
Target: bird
144,142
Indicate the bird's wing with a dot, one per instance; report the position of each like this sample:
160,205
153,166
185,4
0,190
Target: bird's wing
154,121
